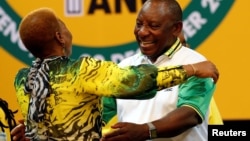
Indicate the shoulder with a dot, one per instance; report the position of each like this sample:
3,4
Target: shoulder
22,73
191,51
188,55
21,76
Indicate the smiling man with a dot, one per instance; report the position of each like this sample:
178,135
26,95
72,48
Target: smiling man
177,113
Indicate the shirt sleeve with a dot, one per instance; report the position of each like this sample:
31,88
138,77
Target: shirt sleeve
108,79
109,108
196,93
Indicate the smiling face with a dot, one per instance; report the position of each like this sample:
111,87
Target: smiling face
156,28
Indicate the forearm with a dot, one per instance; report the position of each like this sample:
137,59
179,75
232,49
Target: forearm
171,76
176,122
171,125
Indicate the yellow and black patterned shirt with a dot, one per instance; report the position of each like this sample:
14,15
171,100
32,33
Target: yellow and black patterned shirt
73,107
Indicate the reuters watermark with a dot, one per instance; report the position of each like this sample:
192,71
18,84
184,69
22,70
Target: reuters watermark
236,130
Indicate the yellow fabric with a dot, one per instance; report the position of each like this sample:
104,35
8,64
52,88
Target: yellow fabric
214,115
3,120
107,128
73,108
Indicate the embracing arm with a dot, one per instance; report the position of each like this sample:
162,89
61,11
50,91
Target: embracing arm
107,79
193,103
176,122
194,99
170,125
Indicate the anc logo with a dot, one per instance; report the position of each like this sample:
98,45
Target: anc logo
104,29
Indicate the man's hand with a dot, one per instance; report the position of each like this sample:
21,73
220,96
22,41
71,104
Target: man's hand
203,69
207,68
124,131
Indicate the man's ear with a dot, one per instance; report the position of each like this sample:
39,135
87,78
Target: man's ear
59,37
177,28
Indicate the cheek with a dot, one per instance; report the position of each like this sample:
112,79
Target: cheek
69,49
164,39
69,42
135,32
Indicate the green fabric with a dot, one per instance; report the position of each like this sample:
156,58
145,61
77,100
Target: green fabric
196,93
109,108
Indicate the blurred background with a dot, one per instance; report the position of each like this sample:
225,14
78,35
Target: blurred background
104,29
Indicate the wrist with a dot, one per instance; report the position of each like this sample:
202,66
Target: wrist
152,131
189,70
194,69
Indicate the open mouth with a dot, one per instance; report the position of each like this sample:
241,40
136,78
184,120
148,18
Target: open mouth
146,43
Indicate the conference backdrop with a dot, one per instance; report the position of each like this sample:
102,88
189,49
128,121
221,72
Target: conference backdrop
104,29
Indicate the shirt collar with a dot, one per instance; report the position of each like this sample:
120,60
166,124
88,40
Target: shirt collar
174,48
